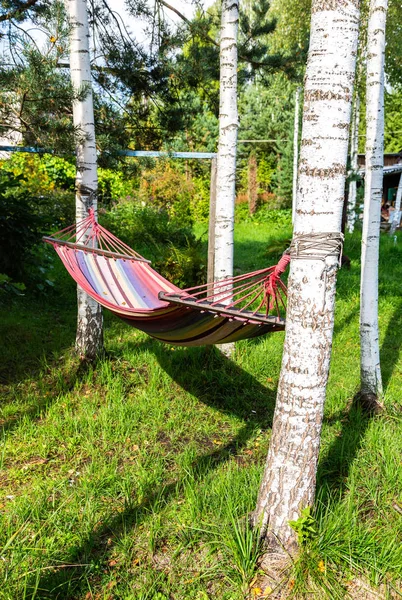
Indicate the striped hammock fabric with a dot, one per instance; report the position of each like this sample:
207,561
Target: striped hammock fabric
124,282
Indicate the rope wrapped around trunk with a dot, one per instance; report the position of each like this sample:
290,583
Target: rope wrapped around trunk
317,246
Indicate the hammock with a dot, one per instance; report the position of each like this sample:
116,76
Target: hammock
122,281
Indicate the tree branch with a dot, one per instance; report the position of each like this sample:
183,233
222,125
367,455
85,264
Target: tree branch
23,7
207,38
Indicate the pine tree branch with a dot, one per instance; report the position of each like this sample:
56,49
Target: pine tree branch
207,38
22,8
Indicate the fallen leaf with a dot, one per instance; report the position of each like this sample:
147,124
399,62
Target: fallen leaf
321,566
111,585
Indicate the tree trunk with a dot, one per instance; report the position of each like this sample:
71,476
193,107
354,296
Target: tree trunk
295,152
227,145
371,383
354,149
89,339
211,224
288,483
397,213
252,183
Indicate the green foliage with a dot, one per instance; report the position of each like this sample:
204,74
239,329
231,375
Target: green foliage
393,121
36,96
276,218
47,174
7,285
292,32
305,526
265,171
199,201
245,549
19,228
113,185
173,248
38,174
393,53
283,176
166,188
267,113
61,172
24,219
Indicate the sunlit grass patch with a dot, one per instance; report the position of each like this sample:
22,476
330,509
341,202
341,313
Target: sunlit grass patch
135,478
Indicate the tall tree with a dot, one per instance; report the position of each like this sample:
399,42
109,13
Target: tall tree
295,152
354,148
227,143
288,484
370,372
89,339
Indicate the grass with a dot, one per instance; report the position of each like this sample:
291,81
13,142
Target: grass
133,479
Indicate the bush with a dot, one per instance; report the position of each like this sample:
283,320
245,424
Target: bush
24,219
164,187
173,249
278,218
113,186
42,175
199,203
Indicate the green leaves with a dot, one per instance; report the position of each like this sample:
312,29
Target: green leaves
305,526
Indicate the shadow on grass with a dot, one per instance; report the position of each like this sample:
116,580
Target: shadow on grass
31,334
334,467
218,382
391,345
234,391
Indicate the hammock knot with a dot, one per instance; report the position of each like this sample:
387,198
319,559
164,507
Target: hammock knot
273,279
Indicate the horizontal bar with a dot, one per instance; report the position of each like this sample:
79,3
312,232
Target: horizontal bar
256,141
152,154
222,310
107,253
28,149
135,153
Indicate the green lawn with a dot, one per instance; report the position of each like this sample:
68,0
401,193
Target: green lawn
133,479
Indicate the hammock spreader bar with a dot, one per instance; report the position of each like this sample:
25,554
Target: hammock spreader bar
123,281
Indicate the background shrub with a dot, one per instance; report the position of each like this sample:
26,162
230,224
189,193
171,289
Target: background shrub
173,248
24,219
166,188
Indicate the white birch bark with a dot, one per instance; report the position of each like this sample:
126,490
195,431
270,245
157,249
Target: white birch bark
227,146
397,212
288,483
295,152
354,148
89,339
370,372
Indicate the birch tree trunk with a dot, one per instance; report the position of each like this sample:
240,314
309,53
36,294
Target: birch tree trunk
89,339
371,383
354,148
295,152
288,483
227,146
397,213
